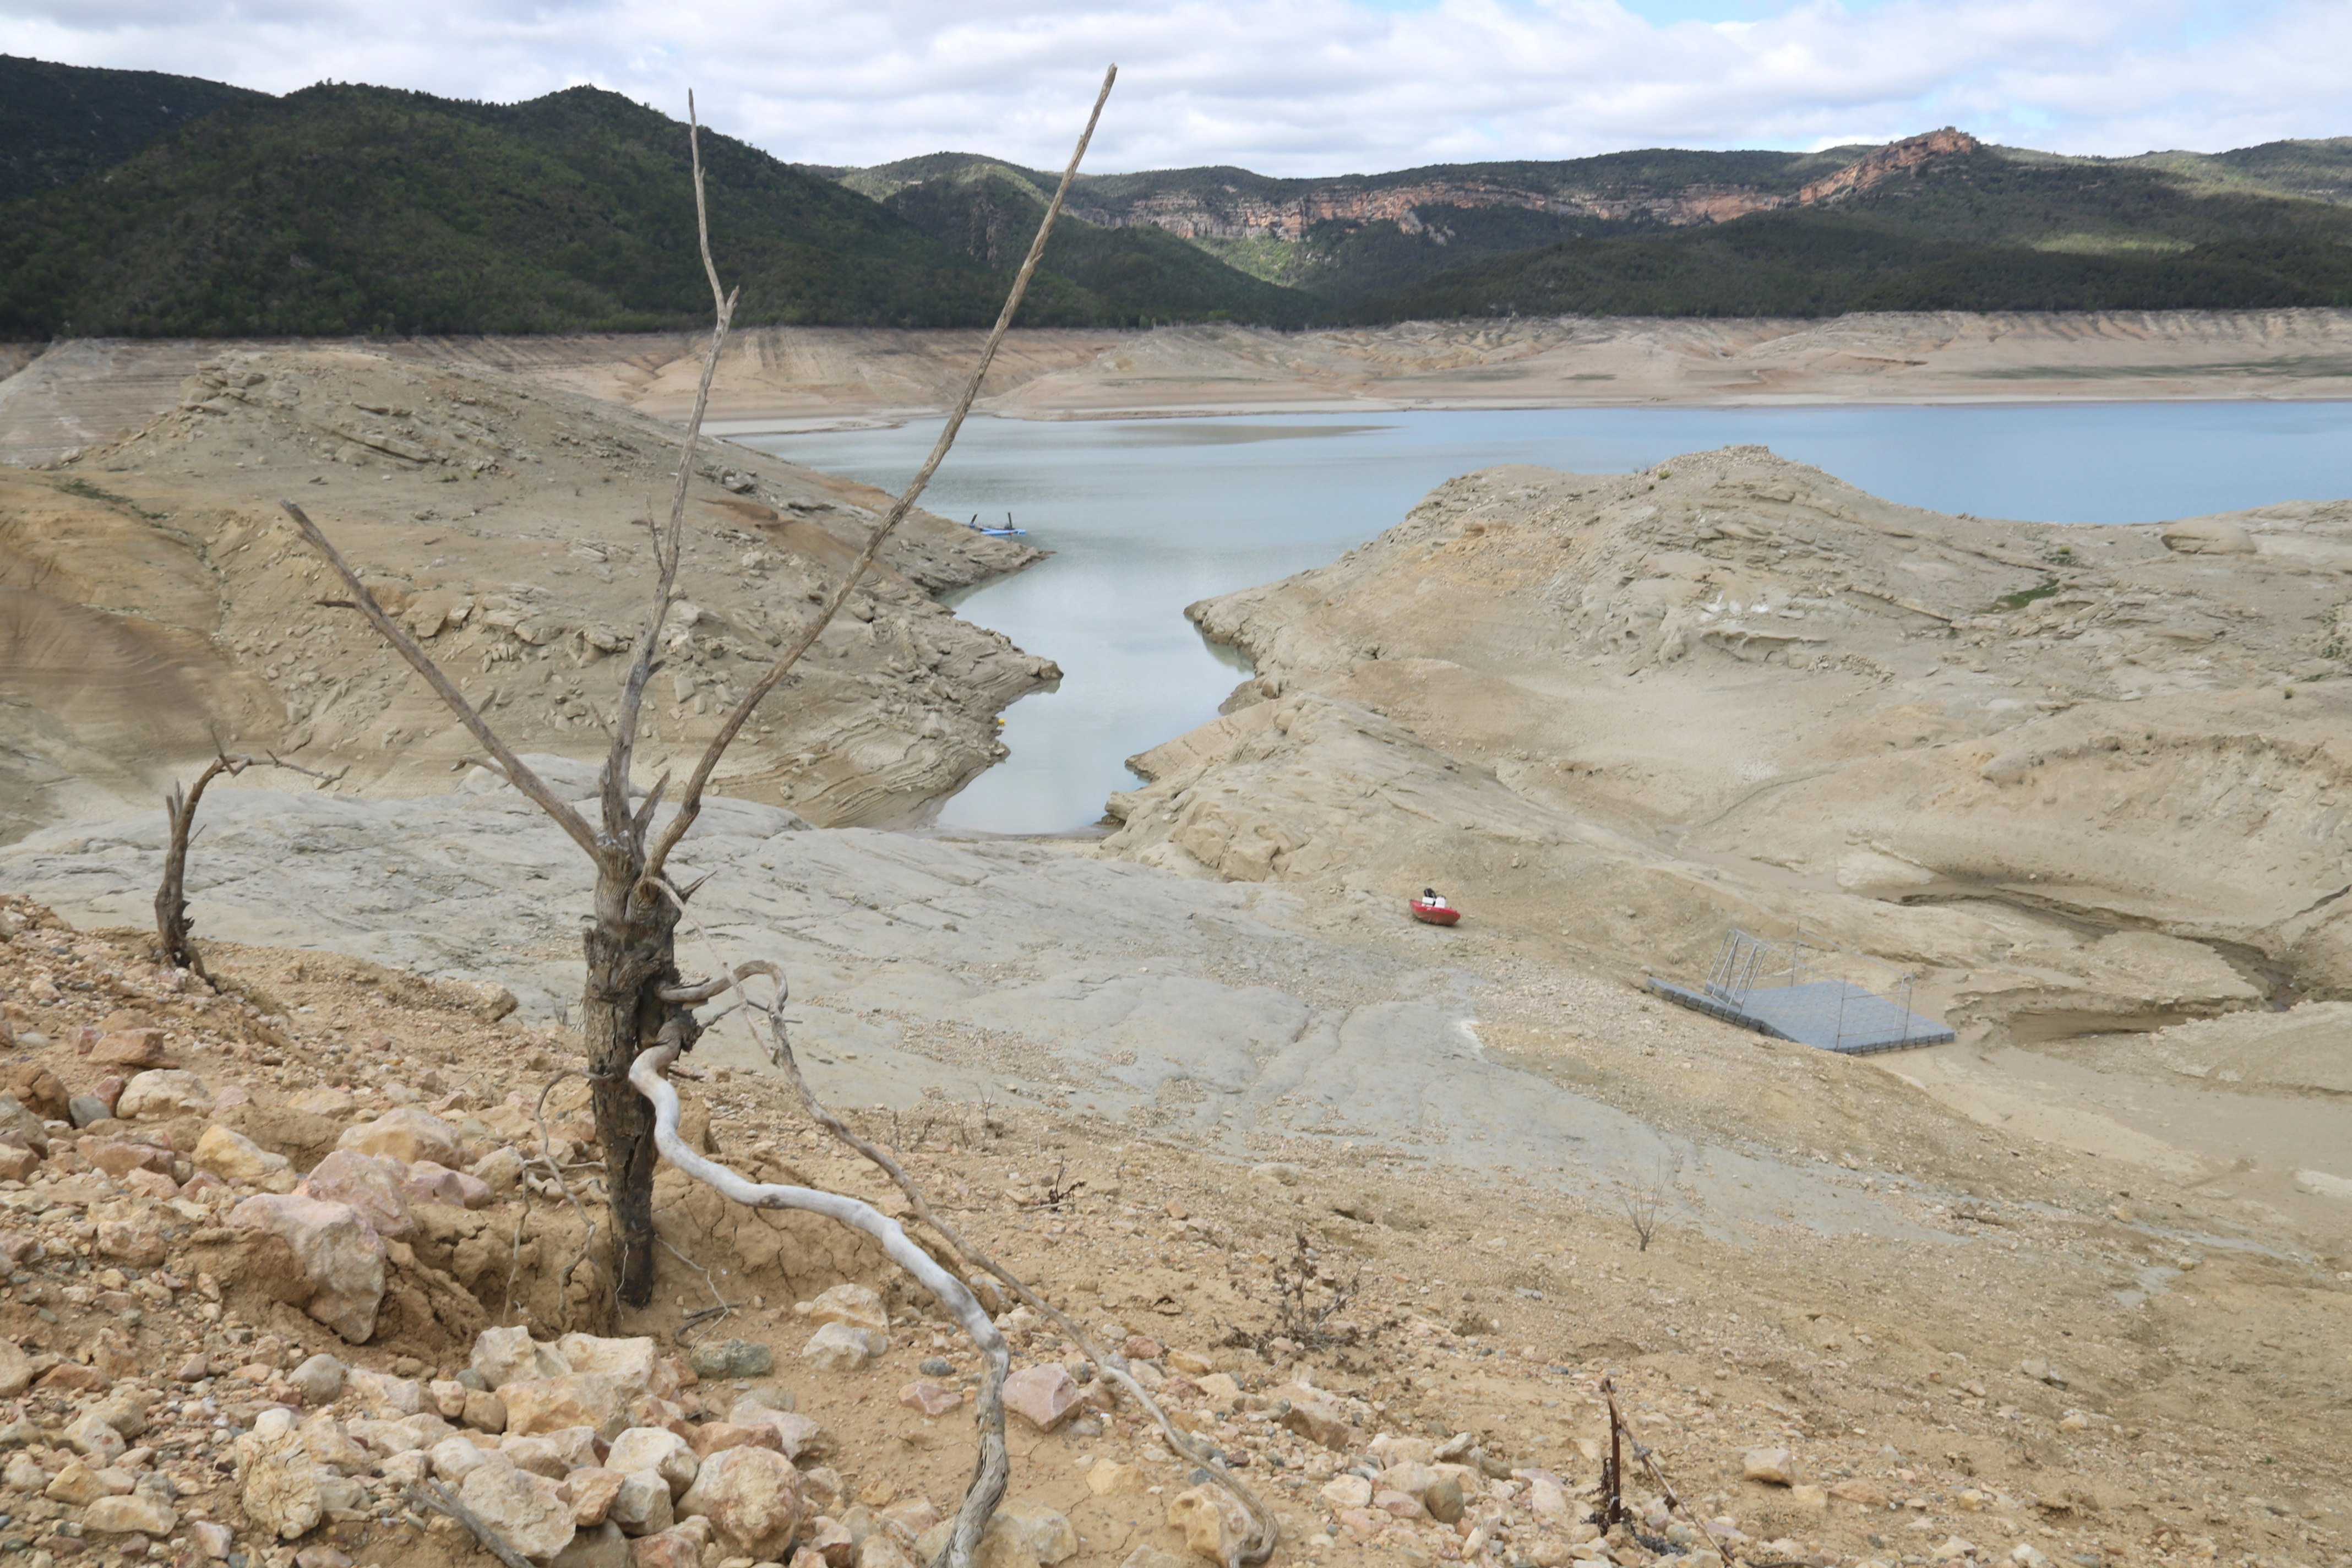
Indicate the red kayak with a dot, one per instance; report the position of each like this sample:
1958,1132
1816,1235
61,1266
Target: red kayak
1434,914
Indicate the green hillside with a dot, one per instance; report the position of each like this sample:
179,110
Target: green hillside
990,211
1984,231
140,204
342,209
63,123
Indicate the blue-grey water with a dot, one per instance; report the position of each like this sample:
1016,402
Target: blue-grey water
1144,516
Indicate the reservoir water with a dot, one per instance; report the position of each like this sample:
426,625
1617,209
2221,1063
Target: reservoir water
1144,516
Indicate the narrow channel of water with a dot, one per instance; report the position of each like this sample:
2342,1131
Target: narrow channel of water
1145,516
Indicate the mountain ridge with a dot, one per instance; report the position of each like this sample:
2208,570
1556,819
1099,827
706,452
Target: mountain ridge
342,209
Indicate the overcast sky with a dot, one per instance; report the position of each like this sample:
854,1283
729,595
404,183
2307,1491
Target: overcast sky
1298,86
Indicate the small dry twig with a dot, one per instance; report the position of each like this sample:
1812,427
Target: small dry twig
1614,1482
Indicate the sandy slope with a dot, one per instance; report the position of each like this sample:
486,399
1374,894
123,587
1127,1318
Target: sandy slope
154,593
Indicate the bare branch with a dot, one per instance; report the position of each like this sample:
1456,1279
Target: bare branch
667,543
689,804
994,1466
518,774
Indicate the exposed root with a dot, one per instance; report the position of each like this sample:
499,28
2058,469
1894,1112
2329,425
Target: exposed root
993,1466
1264,1532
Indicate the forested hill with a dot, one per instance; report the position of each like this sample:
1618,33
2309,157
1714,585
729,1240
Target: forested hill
343,209
140,204
62,123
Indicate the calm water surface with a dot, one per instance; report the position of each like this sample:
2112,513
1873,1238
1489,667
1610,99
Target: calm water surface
1145,516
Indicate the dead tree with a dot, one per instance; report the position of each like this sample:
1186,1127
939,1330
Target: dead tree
638,1009
171,922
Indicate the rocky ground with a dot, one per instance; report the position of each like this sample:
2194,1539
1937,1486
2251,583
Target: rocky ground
1376,1206
1374,1333
153,596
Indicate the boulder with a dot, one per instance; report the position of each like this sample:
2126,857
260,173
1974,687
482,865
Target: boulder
1315,1417
510,1355
395,1398
841,1347
233,1157
859,1306
153,1095
752,1497
132,1233
732,1358
1774,1467
592,1489
406,1134
454,1458
138,1514
279,1478
1028,1533
601,1545
657,1451
641,1505
428,1182
338,1260
637,1363
372,1187
529,1516
1213,1522
578,1399
129,1048
671,1547
2207,536
1042,1396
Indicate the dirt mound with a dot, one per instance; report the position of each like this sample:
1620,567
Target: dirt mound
160,595
2071,774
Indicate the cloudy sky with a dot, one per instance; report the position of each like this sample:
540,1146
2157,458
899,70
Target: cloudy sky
1298,86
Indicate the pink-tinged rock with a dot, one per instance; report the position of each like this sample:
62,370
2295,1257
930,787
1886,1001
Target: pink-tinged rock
1042,1396
213,1539
592,1491
128,1048
714,1436
428,1181
1402,1505
149,1184
1142,1347
16,1161
1316,1415
670,1549
117,1159
132,1233
657,1451
797,1435
372,1187
752,1497
339,1259
930,1398
407,1135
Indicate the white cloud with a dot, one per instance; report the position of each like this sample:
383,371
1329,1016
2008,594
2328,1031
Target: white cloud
1296,86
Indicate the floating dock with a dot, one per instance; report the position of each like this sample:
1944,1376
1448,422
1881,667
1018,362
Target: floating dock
1769,987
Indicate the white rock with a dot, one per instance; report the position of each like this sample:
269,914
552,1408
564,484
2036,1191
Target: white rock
659,1451
840,1347
527,1514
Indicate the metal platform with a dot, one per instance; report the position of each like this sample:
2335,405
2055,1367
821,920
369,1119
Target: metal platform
1792,1000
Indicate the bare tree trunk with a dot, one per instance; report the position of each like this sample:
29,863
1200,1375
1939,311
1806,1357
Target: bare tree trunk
632,954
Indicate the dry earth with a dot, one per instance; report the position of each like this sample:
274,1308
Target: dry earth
2078,1287
82,391
2085,1375
152,593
